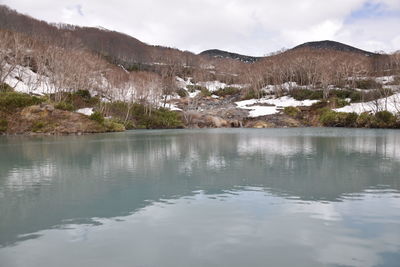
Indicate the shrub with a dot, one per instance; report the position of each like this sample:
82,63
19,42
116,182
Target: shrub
83,93
253,94
38,126
339,103
328,118
227,91
117,108
303,94
331,118
291,111
366,120
354,96
205,92
182,92
134,67
382,119
10,101
385,119
349,119
129,125
158,118
97,116
193,88
140,117
367,84
65,106
78,99
113,126
161,118
319,105
5,88
3,125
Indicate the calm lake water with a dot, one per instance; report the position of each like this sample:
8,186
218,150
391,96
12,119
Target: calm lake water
225,197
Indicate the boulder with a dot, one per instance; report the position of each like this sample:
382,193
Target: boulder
263,124
235,123
216,121
292,122
48,107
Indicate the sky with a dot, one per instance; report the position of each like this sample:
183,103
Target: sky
250,27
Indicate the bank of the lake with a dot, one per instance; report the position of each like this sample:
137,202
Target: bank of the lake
81,113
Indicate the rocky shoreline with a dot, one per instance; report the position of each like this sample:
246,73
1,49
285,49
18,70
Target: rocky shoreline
47,120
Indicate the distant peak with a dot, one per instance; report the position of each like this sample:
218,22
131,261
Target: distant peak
333,45
216,53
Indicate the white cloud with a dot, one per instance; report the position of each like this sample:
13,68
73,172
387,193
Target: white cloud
372,34
71,12
326,30
246,26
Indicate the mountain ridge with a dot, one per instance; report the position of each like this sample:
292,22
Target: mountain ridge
216,53
315,45
333,45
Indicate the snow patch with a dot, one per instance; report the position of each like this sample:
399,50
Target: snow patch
288,86
194,94
24,80
276,105
213,86
172,107
183,83
385,79
85,111
391,104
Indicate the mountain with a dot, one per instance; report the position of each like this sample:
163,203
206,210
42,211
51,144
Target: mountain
318,45
115,46
123,49
215,53
332,45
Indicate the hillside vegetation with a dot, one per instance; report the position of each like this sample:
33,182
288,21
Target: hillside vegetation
119,82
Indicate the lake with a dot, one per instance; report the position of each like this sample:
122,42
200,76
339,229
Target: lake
218,197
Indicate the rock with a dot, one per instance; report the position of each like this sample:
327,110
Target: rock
217,122
32,109
263,124
184,101
235,123
290,122
49,108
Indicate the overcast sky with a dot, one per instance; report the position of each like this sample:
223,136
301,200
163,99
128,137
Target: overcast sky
253,27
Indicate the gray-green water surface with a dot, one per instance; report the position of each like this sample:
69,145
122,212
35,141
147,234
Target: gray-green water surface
279,197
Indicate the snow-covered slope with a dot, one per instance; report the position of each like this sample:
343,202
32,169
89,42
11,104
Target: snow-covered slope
24,80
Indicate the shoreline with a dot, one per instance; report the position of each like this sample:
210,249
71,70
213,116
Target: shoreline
29,134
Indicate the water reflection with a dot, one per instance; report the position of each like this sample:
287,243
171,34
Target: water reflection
231,229
316,194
